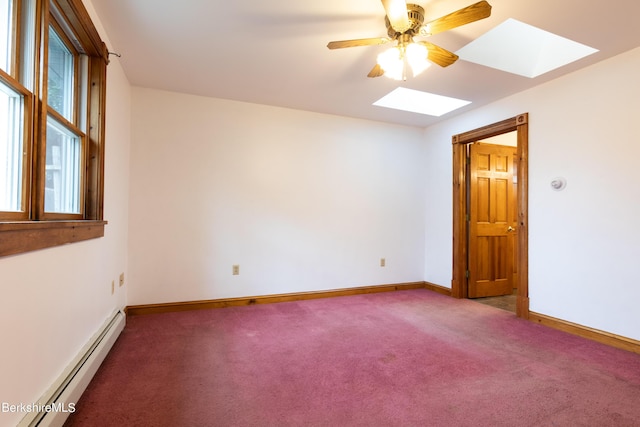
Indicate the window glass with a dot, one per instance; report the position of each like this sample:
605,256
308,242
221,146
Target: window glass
11,126
61,76
27,51
5,34
62,188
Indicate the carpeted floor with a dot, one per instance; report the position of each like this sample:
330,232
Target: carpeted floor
407,358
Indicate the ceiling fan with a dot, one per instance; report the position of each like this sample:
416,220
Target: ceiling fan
405,21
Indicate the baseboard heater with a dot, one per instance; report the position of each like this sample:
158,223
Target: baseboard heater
72,383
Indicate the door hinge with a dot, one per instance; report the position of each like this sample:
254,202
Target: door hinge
466,274
468,217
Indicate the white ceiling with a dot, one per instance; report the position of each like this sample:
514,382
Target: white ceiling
274,52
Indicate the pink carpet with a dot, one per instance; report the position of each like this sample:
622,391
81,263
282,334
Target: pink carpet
407,358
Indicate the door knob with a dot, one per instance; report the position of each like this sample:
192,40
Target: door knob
510,229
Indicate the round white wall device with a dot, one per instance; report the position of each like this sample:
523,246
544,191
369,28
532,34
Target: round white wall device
558,184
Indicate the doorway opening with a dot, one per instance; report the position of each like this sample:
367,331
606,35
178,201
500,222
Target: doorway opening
490,245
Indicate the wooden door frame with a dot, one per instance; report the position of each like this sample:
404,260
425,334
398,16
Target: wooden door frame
459,282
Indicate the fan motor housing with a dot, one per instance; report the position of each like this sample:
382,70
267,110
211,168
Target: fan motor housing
416,19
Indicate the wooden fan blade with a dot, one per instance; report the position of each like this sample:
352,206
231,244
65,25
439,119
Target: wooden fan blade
376,71
466,15
357,42
438,55
396,11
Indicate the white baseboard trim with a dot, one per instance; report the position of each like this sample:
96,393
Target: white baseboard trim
54,407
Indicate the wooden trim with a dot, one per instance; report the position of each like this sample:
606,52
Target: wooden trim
458,280
520,124
586,332
507,125
79,19
522,299
437,288
94,204
267,299
38,161
24,236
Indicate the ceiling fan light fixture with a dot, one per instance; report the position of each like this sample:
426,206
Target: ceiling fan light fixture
394,61
406,20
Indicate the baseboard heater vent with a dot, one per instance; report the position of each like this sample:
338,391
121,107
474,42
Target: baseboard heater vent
76,377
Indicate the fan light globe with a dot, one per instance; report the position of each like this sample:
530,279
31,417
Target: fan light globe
392,63
417,58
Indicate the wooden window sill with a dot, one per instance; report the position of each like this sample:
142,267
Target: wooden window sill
24,236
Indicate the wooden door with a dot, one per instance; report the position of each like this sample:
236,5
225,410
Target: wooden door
492,220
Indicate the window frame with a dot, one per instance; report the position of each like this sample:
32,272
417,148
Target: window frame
33,228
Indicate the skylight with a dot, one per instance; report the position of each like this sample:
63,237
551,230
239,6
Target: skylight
419,102
522,49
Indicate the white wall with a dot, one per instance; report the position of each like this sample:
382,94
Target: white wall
52,301
301,201
583,241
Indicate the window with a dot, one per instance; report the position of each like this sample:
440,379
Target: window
6,15
52,102
11,149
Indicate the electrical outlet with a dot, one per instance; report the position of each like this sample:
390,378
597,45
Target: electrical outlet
121,279
113,287
383,262
236,270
